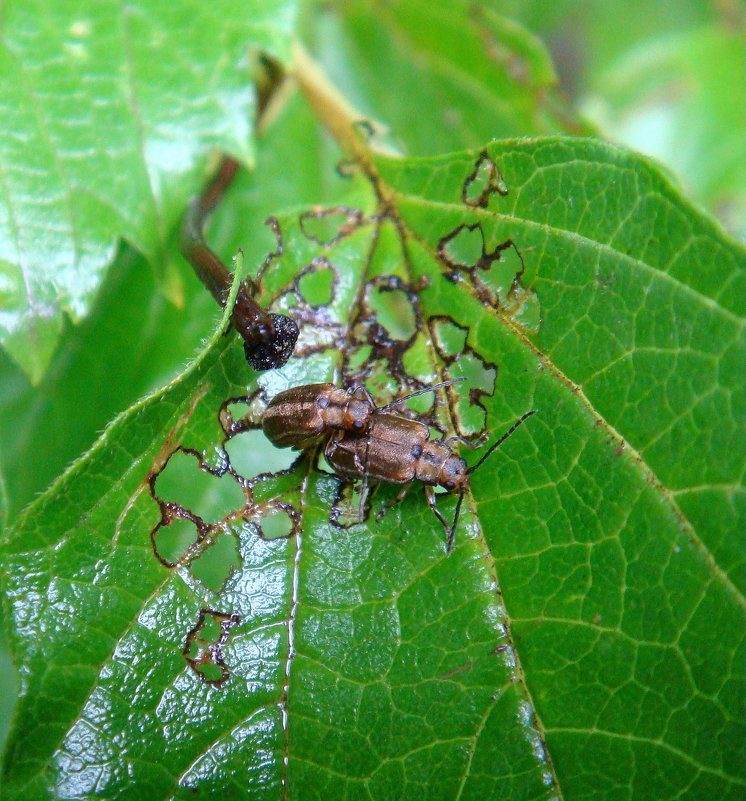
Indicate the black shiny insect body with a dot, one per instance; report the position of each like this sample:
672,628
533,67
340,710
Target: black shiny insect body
399,451
301,416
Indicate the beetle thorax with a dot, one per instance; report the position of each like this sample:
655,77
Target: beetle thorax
341,411
453,476
357,416
438,465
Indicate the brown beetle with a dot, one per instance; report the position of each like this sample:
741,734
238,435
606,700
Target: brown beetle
298,417
399,451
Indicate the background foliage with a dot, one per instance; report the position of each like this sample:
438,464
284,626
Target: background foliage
110,127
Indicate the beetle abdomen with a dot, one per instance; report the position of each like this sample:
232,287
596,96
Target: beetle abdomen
387,454
293,418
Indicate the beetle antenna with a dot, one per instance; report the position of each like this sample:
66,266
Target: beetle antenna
502,439
452,529
420,392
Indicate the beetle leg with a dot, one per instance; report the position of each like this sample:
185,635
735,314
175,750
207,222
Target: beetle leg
432,503
360,465
465,442
315,456
331,445
399,498
364,491
452,530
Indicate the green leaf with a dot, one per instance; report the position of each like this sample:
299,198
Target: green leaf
133,340
651,80
106,131
4,501
584,637
670,99
472,74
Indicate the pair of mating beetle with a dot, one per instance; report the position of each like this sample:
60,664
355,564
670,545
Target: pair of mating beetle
364,441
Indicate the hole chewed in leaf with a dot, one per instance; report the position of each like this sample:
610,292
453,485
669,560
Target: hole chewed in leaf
252,456
276,526
213,567
483,182
464,250
327,226
185,481
468,413
316,284
449,338
496,275
204,645
241,414
276,520
177,535
393,310
345,508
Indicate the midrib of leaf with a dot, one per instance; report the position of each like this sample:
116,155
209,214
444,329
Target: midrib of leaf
292,617
576,389
540,750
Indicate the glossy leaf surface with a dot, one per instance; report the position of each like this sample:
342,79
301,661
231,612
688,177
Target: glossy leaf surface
585,636
107,125
134,340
